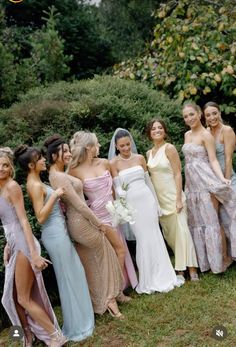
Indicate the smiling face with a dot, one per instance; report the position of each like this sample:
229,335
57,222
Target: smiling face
157,132
212,116
192,117
40,164
5,168
123,145
64,154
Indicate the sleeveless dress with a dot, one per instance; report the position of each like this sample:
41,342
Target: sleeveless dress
16,240
220,154
77,310
174,225
98,190
103,272
155,269
203,219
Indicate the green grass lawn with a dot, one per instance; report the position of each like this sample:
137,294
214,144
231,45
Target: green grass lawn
183,317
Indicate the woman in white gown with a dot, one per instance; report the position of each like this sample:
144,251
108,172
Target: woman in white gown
156,272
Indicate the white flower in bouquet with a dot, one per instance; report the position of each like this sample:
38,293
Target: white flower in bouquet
120,211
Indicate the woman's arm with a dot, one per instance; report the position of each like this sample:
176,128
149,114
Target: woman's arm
175,164
113,167
209,144
143,162
61,179
229,144
42,209
16,198
6,254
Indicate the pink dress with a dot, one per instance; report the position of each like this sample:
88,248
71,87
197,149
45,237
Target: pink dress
98,190
204,223
16,240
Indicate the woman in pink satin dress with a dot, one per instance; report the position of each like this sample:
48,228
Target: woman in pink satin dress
97,185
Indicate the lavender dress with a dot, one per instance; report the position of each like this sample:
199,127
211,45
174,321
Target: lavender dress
98,190
203,220
16,240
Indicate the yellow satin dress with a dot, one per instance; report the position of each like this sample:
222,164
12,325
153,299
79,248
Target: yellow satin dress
174,225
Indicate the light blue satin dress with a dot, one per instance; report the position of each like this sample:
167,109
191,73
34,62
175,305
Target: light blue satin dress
220,154
77,311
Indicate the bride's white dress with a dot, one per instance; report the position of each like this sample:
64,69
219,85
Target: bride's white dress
156,272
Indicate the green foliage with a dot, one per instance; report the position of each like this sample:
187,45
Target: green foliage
46,60
100,105
49,61
192,54
127,25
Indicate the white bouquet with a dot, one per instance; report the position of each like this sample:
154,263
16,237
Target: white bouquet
120,211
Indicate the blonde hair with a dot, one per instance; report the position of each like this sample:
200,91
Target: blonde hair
79,144
6,152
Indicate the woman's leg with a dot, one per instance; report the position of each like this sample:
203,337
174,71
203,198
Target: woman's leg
226,259
22,316
24,278
118,246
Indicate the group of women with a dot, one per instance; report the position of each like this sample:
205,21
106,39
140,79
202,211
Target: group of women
90,256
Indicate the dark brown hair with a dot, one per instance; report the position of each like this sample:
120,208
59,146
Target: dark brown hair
53,145
211,104
25,155
150,125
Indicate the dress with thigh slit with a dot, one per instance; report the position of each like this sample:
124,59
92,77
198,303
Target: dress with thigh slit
16,240
103,272
98,190
201,182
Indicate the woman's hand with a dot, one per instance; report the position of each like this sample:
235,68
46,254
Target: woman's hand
39,262
59,192
226,181
105,228
6,254
179,206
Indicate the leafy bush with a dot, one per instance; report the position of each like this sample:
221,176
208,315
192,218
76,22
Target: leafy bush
101,105
192,54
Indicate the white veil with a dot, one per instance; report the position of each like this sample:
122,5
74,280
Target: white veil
112,148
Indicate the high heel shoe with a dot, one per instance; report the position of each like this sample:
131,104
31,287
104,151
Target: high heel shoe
57,339
122,298
114,310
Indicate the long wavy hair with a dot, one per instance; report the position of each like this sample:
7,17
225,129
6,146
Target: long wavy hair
79,145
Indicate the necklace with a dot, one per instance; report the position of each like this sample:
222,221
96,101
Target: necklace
131,156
